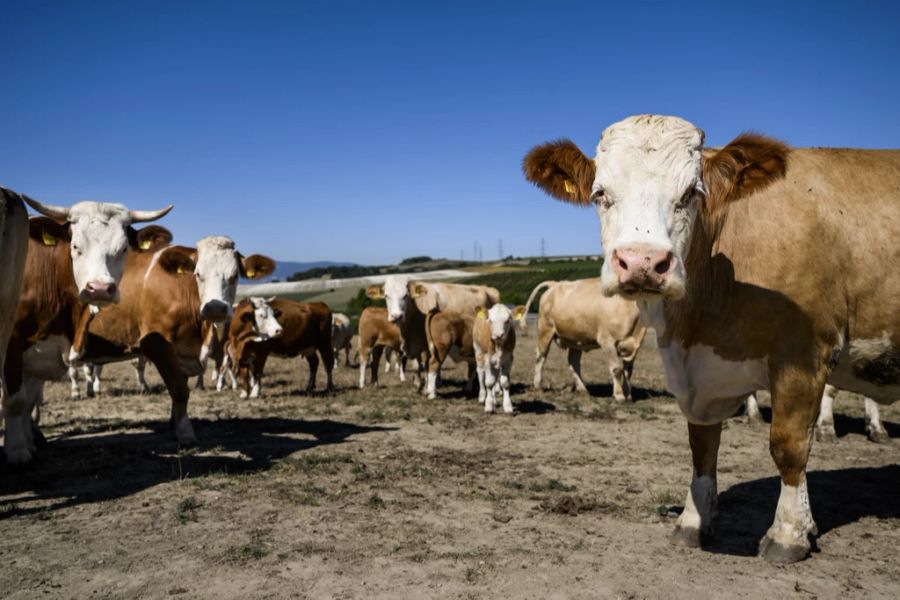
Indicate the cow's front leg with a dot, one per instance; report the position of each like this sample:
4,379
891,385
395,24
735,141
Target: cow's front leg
825,424
795,400
505,370
490,381
575,368
621,388
694,525
161,353
480,368
74,389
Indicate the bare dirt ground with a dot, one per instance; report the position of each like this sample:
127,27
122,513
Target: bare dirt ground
381,493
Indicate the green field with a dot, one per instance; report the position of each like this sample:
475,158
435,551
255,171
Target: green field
516,285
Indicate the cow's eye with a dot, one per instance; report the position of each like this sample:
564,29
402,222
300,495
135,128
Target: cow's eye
601,198
685,200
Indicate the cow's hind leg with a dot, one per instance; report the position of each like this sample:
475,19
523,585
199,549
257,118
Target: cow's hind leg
795,400
575,368
161,353
545,338
825,424
751,407
377,353
874,429
328,359
694,524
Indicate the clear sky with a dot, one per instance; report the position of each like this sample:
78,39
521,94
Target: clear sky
371,131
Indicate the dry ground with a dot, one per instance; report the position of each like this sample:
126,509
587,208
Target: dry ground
380,493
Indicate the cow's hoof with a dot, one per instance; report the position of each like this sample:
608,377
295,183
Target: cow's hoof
782,554
688,537
243,395
826,435
879,436
622,399
755,420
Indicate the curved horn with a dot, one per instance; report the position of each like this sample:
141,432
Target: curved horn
142,216
57,213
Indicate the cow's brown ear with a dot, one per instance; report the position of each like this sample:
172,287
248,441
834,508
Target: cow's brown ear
47,231
375,292
149,239
562,170
257,266
746,165
178,260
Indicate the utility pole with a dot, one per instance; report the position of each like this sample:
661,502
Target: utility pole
462,255
500,244
474,251
543,248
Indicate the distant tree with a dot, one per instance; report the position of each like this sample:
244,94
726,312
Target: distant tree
415,259
356,305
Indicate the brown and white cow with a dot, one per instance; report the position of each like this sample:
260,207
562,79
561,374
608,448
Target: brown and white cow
494,341
580,318
341,336
167,295
13,248
305,330
377,334
254,321
408,302
74,263
760,267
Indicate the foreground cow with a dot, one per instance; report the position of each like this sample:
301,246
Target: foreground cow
494,341
377,334
408,302
13,248
449,335
167,295
306,330
341,335
74,264
580,318
825,423
760,267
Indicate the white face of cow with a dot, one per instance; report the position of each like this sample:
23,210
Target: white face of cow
99,246
217,271
500,319
648,178
396,296
265,319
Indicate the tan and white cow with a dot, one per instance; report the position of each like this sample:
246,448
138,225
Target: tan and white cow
408,302
450,335
580,318
494,341
341,336
378,335
75,261
760,267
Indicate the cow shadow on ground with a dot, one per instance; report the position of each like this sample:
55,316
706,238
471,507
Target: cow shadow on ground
605,390
113,459
838,498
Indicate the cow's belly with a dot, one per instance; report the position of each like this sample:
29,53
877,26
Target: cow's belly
576,342
47,359
708,388
870,368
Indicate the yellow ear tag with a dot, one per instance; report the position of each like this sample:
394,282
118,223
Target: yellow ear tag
251,274
570,186
181,270
480,313
48,238
145,245
518,316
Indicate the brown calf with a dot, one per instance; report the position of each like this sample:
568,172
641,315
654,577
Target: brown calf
377,333
449,334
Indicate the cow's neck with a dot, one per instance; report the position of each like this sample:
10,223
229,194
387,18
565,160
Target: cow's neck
710,285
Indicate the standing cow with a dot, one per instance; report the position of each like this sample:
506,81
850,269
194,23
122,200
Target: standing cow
580,318
494,341
341,336
377,334
75,261
449,334
760,267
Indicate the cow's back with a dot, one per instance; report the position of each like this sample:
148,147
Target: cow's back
306,325
580,313
458,297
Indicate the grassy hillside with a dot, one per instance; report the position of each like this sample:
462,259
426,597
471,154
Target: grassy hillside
515,284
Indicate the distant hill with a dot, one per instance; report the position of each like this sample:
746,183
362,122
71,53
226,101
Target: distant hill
286,268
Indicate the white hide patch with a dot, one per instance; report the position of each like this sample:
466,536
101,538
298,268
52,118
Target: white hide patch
217,270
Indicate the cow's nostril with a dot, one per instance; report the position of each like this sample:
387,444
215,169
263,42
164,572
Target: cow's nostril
663,266
622,264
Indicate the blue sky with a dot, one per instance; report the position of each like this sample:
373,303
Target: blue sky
373,131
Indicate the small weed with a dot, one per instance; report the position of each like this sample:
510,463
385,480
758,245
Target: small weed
551,485
186,511
375,502
255,549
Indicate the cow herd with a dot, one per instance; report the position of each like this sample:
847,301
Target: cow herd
758,266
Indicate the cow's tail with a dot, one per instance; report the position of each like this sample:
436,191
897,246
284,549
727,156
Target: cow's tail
534,293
